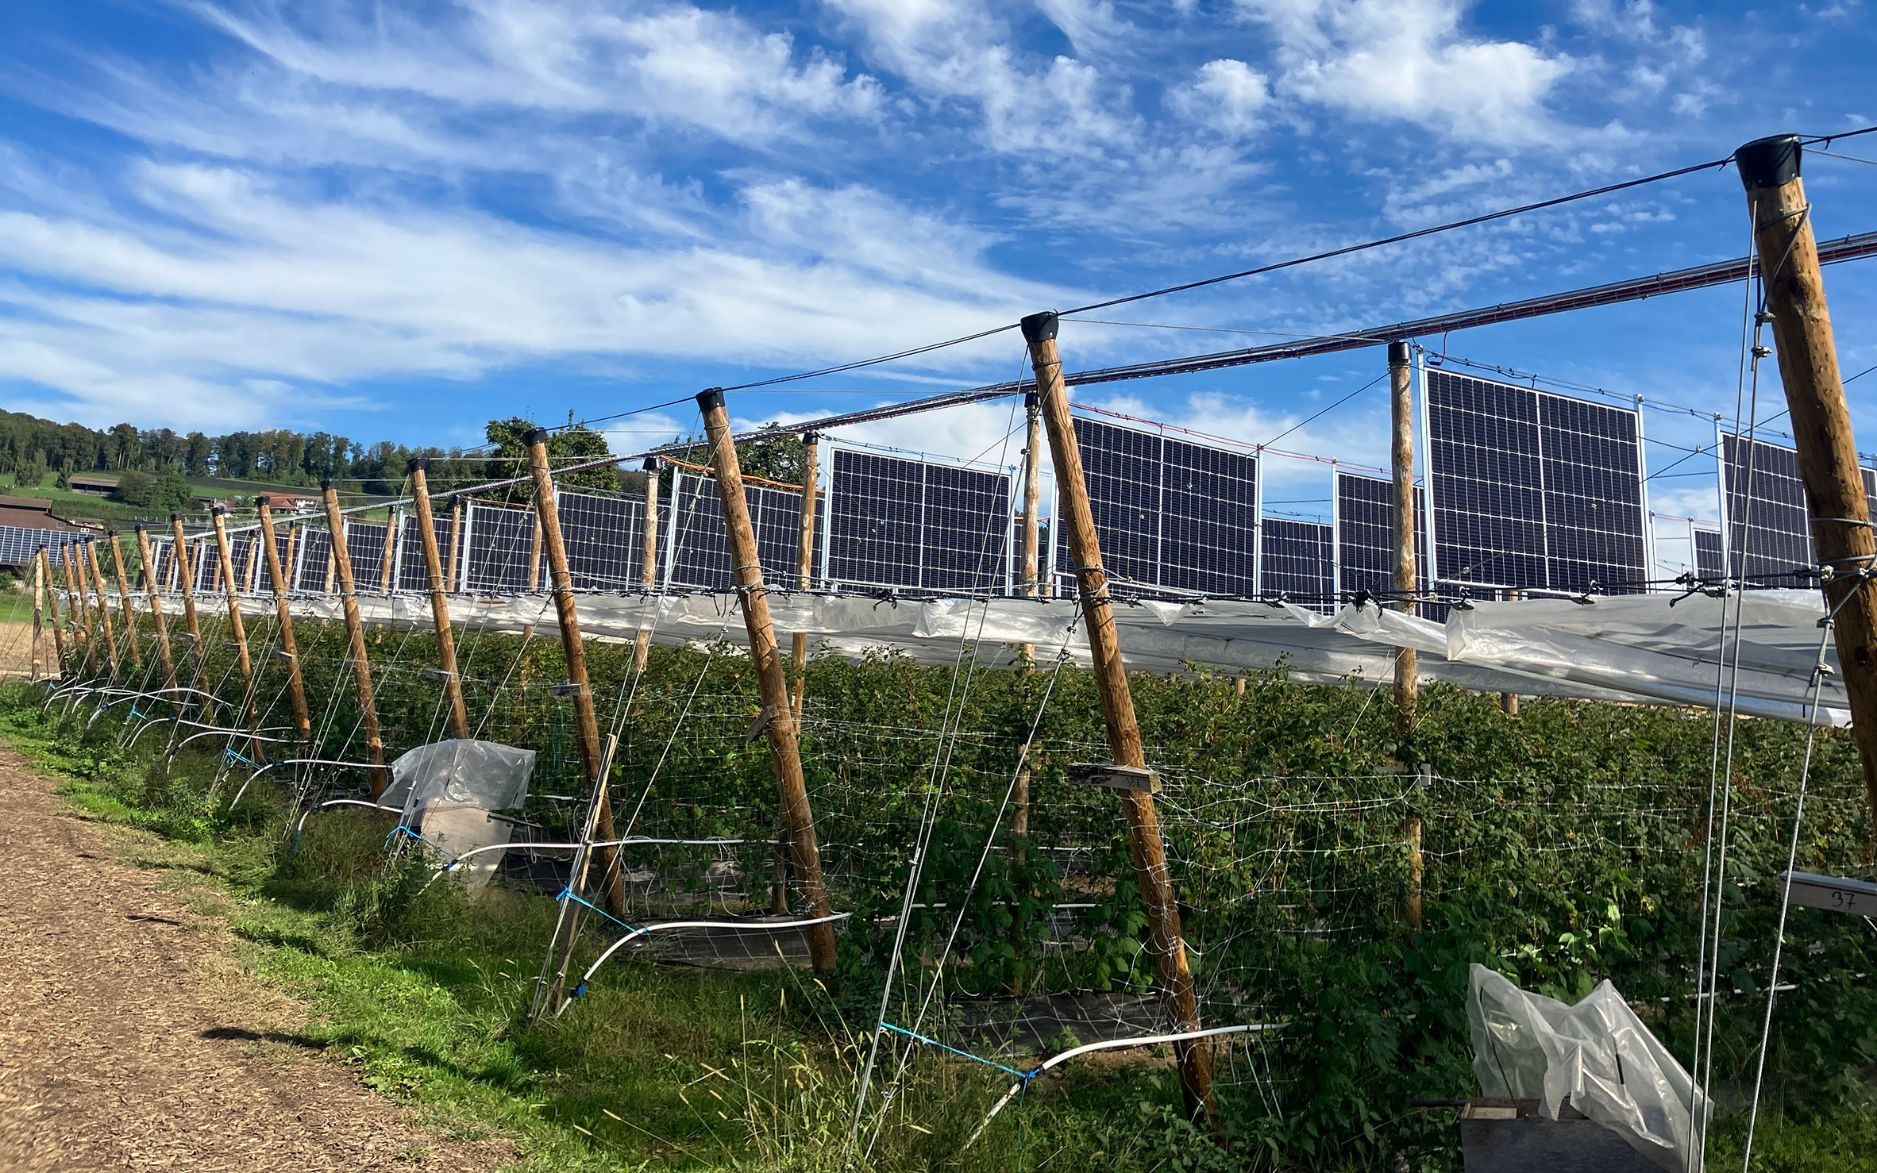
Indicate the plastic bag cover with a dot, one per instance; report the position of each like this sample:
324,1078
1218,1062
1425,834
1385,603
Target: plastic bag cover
481,774
1596,1053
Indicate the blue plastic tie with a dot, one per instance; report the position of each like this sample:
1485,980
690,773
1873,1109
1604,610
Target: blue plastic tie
394,834
1024,1076
567,893
136,713
234,756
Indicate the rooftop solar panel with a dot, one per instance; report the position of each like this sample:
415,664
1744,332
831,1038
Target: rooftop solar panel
901,523
1299,561
1532,490
1172,516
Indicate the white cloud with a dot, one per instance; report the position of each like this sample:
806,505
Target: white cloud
1410,60
1225,95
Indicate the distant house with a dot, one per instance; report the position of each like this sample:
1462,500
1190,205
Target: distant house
296,503
26,523
91,484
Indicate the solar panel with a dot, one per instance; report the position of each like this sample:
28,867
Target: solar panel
1709,563
19,545
1300,561
1365,534
906,524
412,573
1531,489
605,540
313,560
1170,514
697,552
499,545
365,548
244,559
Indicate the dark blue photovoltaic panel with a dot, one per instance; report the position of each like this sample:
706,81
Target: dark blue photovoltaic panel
314,558
917,525
412,574
1487,488
244,558
1170,514
205,565
1299,561
605,538
1365,534
1531,489
1592,459
365,548
1769,528
698,551
500,545
1710,566
19,545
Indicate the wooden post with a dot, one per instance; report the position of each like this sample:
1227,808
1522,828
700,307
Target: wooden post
164,653
1821,424
455,568
805,564
231,591
286,557
592,755
39,619
249,575
355,641
75,592
648,563
103,604
778,713
186,578
52,602
123,598
1509,701
1032,501
394,526
1401,400
439,602
1117,704
283,615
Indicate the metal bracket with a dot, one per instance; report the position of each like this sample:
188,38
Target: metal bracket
760,725
1138,779
565,688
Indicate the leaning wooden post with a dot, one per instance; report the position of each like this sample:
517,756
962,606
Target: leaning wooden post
1509,701
76,604
39,619
44,562
805,563
283,615
123,598
439,602
1032,501
592,755
231,591
1117,703
648,565
102,604
341,562
1821,424
778,716
394,532
165,655
186,580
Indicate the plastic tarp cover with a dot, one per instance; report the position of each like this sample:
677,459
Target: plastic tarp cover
448,788
1597,1054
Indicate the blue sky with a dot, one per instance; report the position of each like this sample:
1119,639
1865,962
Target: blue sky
396,220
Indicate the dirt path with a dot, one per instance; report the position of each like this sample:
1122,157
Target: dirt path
128,1040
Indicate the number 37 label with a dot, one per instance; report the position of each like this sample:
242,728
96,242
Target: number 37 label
1832,893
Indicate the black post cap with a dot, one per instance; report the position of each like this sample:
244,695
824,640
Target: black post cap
325,484
710,399
262,501
1769,162
217,510
1398,354
110,533
175,517
535,436
417,464
140,527
811,437
651,464
1039,327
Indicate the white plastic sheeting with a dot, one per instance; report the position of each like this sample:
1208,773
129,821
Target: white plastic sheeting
1597,1054
1656,648
448,788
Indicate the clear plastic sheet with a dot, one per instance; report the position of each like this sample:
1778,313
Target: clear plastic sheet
447,790
1597,1054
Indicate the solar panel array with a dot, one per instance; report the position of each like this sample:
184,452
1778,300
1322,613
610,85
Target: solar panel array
19,545
605,539
1299,560
905,524
697,550
1768,528
1172,516
1365,533
1531,489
